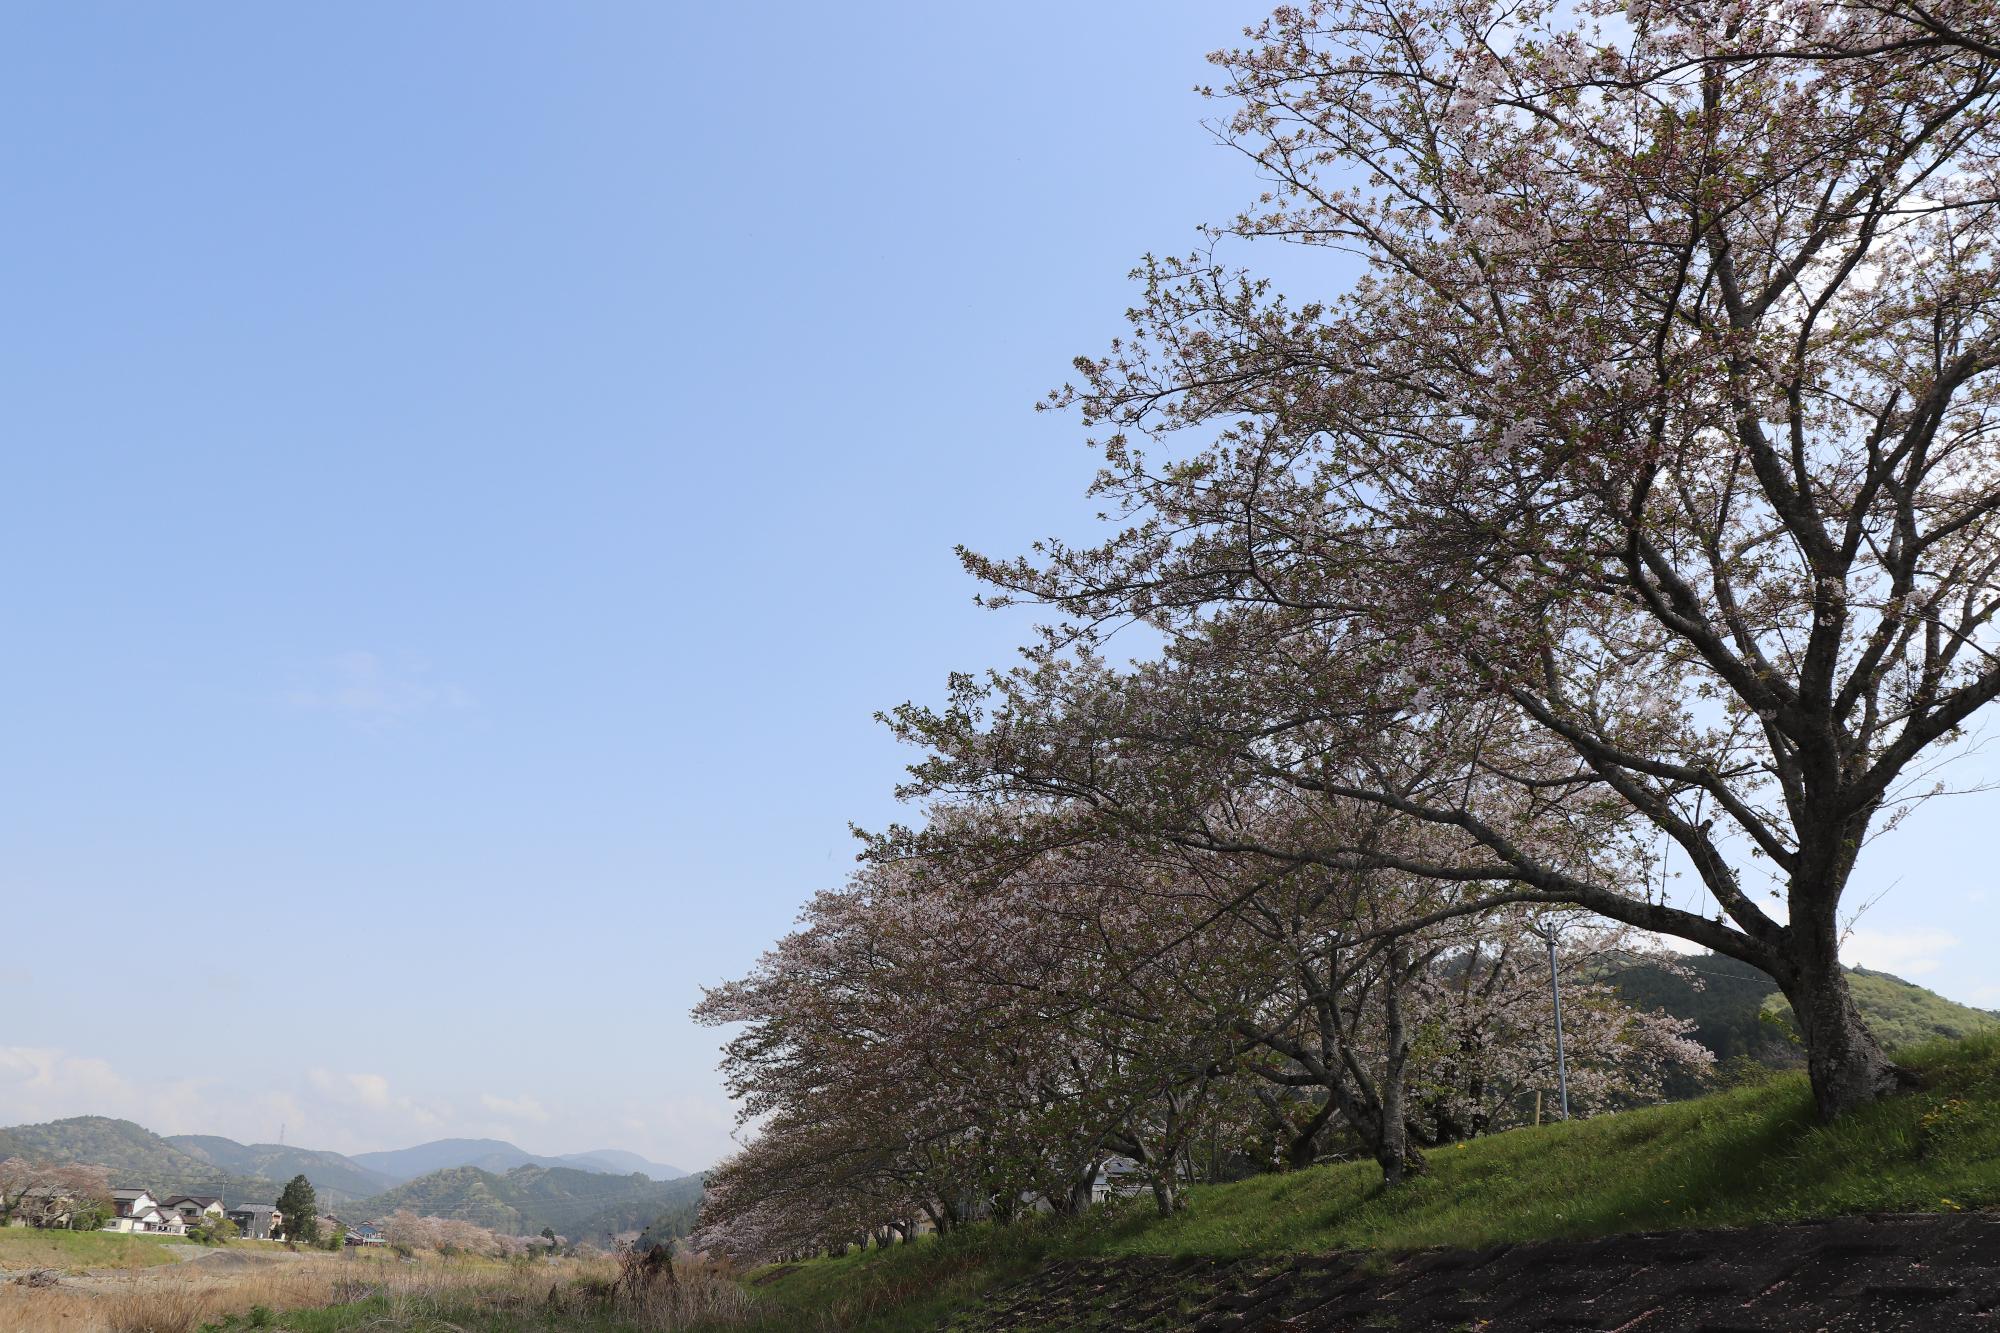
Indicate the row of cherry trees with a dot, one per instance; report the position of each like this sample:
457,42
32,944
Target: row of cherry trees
998,1005
1630,496
409,1232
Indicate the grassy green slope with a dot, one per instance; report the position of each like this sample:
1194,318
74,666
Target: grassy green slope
1752,1154
81,1251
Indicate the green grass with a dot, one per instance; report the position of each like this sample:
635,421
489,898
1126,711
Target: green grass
912,1287
1749,1155
76,1251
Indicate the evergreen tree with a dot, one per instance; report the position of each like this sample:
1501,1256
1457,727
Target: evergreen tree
300,1211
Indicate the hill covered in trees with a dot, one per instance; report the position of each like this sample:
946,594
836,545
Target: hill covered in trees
583,1205
1900,1013
514,1192
132,1153
335,1177
1738,1013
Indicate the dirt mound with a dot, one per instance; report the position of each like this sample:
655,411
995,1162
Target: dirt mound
1886,1272
234,1260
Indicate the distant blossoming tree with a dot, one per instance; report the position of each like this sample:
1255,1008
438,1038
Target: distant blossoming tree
45,1194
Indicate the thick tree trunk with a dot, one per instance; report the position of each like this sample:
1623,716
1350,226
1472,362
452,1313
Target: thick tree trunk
1394,1153
1400,1163
1847,1065
1072,1200
1303,1150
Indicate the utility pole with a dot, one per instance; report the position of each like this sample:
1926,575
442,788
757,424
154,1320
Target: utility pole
1548,933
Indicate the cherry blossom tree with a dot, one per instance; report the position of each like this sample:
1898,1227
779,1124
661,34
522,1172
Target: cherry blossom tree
1004,999
950,1035
44,1194
1645,436
1486,1041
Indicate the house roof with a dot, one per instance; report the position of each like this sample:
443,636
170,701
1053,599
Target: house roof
199,1200
253,1208
127,1194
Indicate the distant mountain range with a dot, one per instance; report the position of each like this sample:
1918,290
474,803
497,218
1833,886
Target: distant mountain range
488,1181
497,1155
328,1171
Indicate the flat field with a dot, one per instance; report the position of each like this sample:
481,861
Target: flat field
78,1251
246,1286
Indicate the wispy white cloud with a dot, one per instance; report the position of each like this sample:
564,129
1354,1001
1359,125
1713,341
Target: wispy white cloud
38,1076
366,688
44,1083
515,1108
1907,953
351,1111
371,1093
691,1131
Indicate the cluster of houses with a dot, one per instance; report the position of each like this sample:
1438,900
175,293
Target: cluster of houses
139,1210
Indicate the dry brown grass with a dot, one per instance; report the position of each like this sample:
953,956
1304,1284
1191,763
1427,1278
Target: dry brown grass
230,1282
663,1299
432,1295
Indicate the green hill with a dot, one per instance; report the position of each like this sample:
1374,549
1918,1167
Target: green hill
335,1178
1749,1155
134,1155
1900,1013
584,1205
1740,1016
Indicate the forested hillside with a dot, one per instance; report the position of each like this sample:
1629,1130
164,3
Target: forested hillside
1738,1013
132,1154
1899,1012
335,1177
583,1205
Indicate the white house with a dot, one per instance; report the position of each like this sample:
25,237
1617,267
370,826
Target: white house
194,1207
130,1209
138,1210
1118,1178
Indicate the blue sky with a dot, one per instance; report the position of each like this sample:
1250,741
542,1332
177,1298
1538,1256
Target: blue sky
471,472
